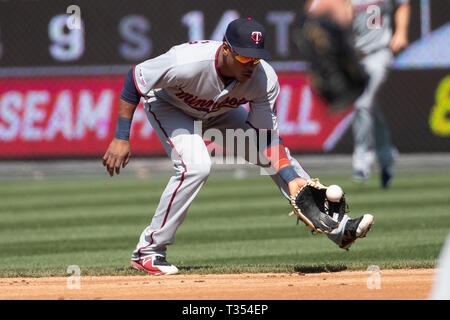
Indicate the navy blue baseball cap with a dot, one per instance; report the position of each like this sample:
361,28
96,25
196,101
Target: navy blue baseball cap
246,37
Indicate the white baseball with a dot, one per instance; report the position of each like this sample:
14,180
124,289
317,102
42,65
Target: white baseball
334,193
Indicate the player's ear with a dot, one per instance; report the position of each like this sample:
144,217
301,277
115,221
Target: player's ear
226,48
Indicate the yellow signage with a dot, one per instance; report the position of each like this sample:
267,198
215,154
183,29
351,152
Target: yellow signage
440,112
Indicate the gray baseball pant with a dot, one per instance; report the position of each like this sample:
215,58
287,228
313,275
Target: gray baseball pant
370,131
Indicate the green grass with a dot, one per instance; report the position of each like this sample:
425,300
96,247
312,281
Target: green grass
232,226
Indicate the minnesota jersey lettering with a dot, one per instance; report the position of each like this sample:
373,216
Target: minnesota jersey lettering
208,105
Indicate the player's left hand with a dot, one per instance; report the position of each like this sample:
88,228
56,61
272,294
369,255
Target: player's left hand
117,155
398,42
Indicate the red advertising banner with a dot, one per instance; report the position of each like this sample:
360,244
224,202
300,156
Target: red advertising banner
305,122
76,117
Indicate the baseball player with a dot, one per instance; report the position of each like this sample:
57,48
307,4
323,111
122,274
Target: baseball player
374,38
207,81
370,21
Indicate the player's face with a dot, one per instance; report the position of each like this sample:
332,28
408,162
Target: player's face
241,67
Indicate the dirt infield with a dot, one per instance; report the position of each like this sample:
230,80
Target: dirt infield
414,284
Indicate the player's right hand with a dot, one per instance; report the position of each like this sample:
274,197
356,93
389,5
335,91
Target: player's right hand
117,155
295,185
399,41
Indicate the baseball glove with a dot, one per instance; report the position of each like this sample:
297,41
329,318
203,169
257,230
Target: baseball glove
311,206
336,74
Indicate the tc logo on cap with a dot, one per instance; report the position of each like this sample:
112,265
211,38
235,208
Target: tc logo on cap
256,36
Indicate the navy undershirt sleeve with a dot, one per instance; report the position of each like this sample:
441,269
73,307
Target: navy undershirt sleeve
129,91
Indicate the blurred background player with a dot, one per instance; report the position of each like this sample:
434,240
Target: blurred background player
375,43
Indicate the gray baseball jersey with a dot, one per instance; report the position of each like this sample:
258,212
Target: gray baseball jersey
187,77
372,23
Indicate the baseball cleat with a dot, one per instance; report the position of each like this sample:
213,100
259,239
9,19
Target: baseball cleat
356,228
156,265
360,176
386,172
386,177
